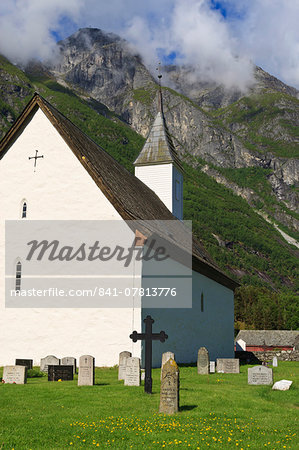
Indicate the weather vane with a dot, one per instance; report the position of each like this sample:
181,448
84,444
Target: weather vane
159,72
160,100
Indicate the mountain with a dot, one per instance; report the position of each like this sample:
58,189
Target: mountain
226,129
239,154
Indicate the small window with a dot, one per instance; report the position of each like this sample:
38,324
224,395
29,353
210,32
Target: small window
201,302
18,276
24,210
177,190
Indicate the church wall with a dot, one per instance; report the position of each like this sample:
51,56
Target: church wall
60,189
158,177
189,329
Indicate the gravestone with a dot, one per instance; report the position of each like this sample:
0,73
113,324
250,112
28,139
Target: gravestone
165,357
49,360
123,356
228,365
260,375
240,345
25,362
14,374
212,366
86,371
132,376
170,384
69,361
282,385
203,361
142,374
274,362
63,373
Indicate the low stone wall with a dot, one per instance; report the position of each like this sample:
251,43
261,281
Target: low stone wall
282,355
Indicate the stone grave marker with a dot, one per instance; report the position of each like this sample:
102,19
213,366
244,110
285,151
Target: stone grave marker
165,357
25,362
69,361
260,375
86,371
132,376
274,362
14,374
228,365
170,385
282,385
203,361
123,356
212,366
49,360
63,373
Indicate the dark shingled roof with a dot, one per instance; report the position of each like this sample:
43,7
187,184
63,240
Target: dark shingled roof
126,192
271,338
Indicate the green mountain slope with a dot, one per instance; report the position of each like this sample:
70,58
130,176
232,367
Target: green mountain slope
241,242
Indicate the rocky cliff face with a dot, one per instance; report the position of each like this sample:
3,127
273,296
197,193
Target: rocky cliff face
225,128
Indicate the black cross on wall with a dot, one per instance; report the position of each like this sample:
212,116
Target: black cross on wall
148,337
35,158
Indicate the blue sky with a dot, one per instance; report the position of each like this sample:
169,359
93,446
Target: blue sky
219,39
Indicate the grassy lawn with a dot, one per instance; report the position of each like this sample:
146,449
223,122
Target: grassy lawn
217,411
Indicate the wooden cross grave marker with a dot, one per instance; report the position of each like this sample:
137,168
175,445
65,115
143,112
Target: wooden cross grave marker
148,337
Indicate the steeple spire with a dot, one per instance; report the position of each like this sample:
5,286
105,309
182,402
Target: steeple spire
158,148
158,164
160,98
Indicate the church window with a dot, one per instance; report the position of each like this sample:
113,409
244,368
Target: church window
18,276
24,210
177,190
201,302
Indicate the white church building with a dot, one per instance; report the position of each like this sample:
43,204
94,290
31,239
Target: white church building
75,179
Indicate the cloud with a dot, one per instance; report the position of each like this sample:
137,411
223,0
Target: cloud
270,34
217,38
25,27
200,37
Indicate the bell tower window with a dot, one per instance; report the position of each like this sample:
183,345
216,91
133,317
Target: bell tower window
18,276
24,210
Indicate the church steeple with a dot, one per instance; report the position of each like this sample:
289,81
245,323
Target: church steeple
158,164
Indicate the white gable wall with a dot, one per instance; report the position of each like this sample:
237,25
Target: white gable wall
60,189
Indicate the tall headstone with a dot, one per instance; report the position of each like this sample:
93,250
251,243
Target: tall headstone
274,362
86,371
60,373
69,361
260,375
25,362
203,361
49,360
123,356
170,385
212,366
14,374
132,376
228,365
165,357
